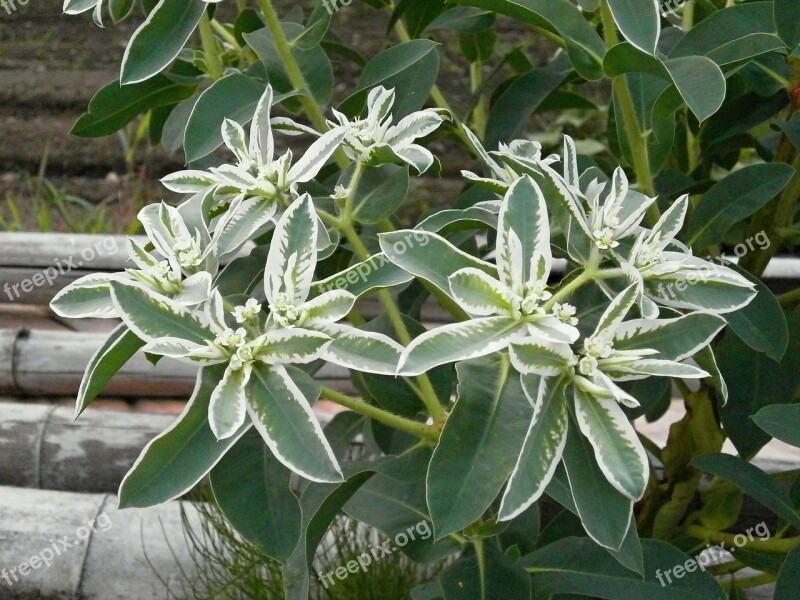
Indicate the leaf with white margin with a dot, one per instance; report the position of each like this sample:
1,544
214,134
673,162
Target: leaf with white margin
456,342
235,139
617,310
413,126
227,411
571,176
189,181
360,350
328,307
364,277
544,444
243,220
533,357
316,156
675,339
418,157
523,235
619,452
172,463
87,297
194,289
478,293
291,345
411,250
551,329
293,252
152,316
282,415
659,368
262,144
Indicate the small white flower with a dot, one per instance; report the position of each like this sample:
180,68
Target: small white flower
604,238
598,347
588,366
565,313
249,311
231,339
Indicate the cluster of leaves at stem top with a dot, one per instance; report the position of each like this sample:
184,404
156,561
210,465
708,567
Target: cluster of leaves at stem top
575,297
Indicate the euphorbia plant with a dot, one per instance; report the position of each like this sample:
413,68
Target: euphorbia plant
576,295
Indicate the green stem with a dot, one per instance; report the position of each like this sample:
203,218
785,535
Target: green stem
296,77
636,139
210,48
479,114
729,539
224,33
789,298
416,428
749,582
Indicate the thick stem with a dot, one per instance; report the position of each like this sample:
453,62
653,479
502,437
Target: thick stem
421,430
730,541
636,139
479,114
210,48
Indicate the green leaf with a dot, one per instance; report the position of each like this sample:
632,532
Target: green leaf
786,22
117,350
513,108
411,67
755,381
639,22
120,9
604,512
675,339
157,41
282,415
789,576
544,443
253,491
761,324
313,62
380,193
493,577
171,464
735,198
781,421
150,317
753,481
578,566
479,445
114,106
733,34
233,97
584,46
411,250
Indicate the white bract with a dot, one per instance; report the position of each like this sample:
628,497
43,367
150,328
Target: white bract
508,308
376,139
180,267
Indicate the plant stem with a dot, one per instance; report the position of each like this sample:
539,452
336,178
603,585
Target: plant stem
749,582
636,139
210,48
479,118
729,539
568,289
222,32
416,428
789,298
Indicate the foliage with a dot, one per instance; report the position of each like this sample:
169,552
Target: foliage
578,289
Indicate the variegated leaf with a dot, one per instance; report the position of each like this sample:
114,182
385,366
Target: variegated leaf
228,408
243,220
188,182
412,127
329,307
532,357
262,145
457,341
416,156
479,293
194,289
675,339
662,368
617,310
316,156
544,443
152,316
87,297
618,450
360,350
293,251
291,345
235,139
283,417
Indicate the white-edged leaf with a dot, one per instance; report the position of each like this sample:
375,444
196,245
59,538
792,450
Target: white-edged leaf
282,415
189,182
418,157
87,297
228,408
618,450
293,252
360,350
243,220
262,144
544,443
194,289
675,339
414,126
617,310
532,357
316,156
152,316
663,368
478,293
457,341
329,307
292,345
235,139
